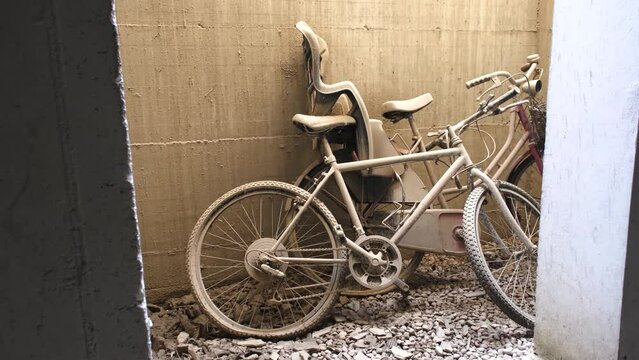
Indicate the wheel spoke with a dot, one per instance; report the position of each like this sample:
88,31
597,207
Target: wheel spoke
234,244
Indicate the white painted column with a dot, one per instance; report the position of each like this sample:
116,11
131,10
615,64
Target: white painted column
593,112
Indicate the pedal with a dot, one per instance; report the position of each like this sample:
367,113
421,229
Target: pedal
272,271
401,285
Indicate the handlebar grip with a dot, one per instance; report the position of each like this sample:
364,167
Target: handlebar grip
502,99
476,81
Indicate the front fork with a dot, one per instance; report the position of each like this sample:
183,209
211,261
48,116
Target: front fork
501,203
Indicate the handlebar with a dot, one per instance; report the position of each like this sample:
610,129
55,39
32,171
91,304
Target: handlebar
494,105
482,79
525,83
529,69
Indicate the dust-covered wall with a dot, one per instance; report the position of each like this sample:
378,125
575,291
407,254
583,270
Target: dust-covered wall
211,87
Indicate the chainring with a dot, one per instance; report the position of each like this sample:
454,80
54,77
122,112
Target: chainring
382,271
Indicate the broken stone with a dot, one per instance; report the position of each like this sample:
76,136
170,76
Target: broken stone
182,301
252,343
192,350
182,349
377,331
360,356
188,326
182,337
446,346
400,353
164,325
285,345
366,342
300,355
193,312
439,351
353,305
339,318
473,294
307,344
358,335
321,332
274,355
170,344
157,342
153,308
201,320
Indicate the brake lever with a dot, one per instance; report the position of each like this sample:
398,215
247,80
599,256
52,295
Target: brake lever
485,102
496,84
503,109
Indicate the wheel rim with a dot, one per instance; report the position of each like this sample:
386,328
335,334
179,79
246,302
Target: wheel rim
512,267
230,245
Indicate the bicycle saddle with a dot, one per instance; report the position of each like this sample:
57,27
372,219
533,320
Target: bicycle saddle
402,109
319,124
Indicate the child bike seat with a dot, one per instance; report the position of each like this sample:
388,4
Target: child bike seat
322,97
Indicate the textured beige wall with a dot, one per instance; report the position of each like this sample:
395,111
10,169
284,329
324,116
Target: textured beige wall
211,87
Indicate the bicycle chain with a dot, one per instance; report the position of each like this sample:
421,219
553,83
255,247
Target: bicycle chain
319,249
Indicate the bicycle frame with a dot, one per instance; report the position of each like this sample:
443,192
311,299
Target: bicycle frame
462,162
495,169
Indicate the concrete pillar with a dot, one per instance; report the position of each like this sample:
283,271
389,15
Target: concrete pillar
593,112
71,273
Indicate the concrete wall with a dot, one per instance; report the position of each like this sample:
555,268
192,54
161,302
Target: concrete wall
590,151
211,87
629,325
70,261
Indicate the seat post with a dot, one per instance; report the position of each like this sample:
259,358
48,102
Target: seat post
326,150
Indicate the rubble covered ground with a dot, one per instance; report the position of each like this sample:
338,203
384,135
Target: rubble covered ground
445,316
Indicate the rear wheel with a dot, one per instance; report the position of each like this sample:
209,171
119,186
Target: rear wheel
236,277
504,266
331,196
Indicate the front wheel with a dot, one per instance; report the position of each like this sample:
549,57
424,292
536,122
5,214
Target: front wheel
234,268
504,266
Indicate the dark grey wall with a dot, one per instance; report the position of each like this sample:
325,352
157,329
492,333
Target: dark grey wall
70,262
629,329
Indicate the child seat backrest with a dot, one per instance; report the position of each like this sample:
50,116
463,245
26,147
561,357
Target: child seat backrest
322,97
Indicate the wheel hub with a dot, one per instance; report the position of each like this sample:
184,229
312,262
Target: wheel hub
380,271
259,253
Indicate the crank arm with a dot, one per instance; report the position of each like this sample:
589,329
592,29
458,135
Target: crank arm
358,249
401,285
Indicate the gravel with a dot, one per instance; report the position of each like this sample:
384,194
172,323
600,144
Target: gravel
445,316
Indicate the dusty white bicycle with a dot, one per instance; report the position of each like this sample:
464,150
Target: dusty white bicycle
386,192
267,258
